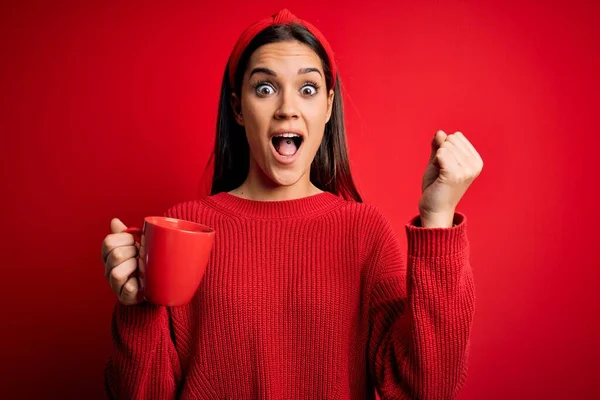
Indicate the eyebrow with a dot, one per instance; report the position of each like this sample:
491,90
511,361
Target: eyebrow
272,73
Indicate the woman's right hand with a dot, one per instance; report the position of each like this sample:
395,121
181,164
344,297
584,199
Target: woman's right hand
119,252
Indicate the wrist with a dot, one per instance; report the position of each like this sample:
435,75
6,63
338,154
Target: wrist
436,220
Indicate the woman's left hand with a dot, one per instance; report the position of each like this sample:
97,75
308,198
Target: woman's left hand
453,166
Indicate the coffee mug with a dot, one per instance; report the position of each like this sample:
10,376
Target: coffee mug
173,258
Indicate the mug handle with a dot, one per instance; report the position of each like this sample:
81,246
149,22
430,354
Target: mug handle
136,232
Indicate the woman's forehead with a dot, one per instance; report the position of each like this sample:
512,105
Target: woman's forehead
282,54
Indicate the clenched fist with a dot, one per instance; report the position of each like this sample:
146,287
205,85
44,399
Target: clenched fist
453,166
119,253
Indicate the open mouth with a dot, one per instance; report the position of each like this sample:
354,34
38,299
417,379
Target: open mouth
287,144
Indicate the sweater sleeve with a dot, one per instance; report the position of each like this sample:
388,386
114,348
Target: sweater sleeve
144,363
421,314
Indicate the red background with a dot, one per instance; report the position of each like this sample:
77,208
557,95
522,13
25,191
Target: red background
109,109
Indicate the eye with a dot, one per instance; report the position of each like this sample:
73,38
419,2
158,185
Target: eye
263,89
309,89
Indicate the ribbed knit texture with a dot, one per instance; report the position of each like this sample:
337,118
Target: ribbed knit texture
305,299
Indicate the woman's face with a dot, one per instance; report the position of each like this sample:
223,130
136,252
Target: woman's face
284,109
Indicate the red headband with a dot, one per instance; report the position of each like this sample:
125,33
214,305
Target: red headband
281,18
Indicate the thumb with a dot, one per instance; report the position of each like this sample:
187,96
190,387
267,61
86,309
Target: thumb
116,226
439,138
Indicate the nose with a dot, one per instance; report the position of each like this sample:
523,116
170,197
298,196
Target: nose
287,108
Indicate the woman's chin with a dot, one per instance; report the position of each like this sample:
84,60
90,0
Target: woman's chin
285,177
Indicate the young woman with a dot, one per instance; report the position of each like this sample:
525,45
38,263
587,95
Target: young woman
307,294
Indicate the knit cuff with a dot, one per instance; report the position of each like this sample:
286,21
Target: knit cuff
437,242
142,314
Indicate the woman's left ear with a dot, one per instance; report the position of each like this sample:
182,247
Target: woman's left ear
329,104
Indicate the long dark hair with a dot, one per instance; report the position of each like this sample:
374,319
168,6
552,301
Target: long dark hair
330,169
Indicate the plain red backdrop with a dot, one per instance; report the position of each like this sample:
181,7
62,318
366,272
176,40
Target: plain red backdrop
108,110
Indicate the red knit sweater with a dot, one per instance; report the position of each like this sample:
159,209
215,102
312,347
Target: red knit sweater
305,299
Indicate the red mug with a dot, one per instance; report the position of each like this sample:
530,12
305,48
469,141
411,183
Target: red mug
172,259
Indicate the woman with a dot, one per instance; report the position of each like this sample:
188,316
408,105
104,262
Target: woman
306,295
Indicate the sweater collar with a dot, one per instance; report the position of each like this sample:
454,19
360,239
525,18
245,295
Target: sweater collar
302,207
